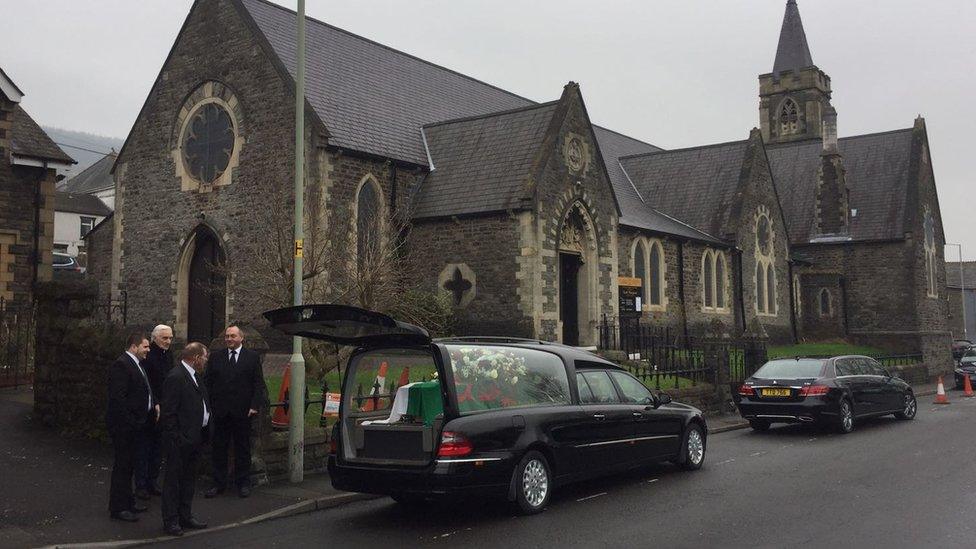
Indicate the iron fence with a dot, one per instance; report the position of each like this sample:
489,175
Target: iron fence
16,343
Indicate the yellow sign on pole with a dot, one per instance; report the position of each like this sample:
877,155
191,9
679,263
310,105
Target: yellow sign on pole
299,248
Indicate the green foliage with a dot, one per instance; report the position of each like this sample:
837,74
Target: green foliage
830,348
430,310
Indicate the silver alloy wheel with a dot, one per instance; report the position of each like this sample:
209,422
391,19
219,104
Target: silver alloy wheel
847,416
535,483
696,447
911,406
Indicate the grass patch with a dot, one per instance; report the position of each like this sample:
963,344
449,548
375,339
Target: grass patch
822,349
314,393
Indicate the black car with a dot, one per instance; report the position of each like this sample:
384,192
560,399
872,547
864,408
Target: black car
833,391
485,416
966,367
959,348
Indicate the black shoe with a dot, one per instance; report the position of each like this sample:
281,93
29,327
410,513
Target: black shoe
139,508
173,529
155,490
213,492
142,494
127,516
244,491
193,524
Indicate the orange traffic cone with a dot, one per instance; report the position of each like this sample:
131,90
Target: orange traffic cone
967,387
280,416
378,384
940,394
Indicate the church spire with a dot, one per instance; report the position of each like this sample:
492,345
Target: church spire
793,53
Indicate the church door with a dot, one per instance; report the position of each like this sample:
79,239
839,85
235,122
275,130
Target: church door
569,268
207,289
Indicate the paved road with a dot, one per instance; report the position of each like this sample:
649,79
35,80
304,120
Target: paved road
889,484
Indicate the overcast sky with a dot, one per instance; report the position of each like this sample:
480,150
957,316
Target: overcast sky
675,73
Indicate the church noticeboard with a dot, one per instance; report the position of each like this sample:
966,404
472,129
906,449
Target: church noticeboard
630,298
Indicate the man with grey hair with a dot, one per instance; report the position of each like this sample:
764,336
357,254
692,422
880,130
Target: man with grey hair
158,363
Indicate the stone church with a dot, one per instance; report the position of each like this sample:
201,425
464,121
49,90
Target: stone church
534,220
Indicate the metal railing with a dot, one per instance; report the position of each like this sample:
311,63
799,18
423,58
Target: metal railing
16,343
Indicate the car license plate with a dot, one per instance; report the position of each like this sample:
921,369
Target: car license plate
775,392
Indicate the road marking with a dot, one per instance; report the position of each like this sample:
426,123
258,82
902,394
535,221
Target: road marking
756,454
730,460
591,497
652,480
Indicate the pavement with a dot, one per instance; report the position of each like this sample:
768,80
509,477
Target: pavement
60,495
891,483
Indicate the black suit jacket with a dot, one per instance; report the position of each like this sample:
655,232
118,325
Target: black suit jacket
234,389
181,412
128,396
158,363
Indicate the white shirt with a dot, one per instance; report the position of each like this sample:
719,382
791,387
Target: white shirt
144,378
206,412
233,357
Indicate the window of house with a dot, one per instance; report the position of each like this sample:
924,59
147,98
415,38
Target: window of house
789,117
760,289
367,225
715,281
765,254
87,224
931,259
770,289
825,302
640,268
657,274
208,142
708,279
720,280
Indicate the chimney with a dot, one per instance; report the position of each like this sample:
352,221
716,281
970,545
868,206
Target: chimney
830,130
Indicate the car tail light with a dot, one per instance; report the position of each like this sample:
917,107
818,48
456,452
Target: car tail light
333,446
814,390
453,445
747,391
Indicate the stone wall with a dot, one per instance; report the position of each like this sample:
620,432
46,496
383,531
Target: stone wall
26,228
99,243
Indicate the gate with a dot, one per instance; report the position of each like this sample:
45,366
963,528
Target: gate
16,344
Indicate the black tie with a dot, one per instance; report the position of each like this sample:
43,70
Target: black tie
233,358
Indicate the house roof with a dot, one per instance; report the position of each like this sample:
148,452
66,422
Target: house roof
793,52
373,98
482,164
9,88
81,203
94,178
696,185
877,174
968,274
27,139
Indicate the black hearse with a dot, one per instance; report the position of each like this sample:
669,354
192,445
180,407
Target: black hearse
485,416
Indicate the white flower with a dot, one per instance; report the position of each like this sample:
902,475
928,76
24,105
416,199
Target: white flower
514,380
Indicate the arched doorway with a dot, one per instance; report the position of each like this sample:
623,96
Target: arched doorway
577,278
205,291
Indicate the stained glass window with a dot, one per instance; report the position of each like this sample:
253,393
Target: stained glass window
208,143
657,259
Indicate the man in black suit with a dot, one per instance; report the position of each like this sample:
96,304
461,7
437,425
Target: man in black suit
158,363
130,406
235,380
185,421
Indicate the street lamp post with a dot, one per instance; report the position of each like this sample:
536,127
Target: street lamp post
962,292
296,391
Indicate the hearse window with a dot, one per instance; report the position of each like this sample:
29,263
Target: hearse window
633,391
488,377
586,395
843,367
378,374
603,389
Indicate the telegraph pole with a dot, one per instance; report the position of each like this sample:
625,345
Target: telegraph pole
296,391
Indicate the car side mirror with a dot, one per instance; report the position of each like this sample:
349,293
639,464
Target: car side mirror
662,399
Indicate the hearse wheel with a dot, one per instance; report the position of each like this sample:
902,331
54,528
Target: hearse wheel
845,417
692,448
533,483
911,406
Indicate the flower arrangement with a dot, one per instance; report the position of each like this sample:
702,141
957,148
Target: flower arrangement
486,378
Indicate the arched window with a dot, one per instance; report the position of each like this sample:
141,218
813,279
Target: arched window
760,288
789,117
720,280
640,269
657,274
931,260
708,279
367,225
770,289
824,302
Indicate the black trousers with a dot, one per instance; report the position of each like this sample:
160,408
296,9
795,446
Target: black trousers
180,480
238,430
120,492
148,456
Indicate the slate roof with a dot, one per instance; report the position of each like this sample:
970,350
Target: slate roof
481,164
81,203
877,171
793,52
968,272
94,178
696,185
28,139
373,98
634,212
